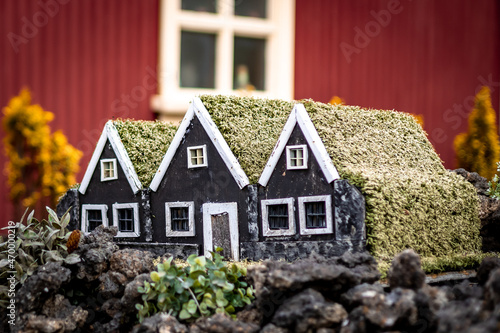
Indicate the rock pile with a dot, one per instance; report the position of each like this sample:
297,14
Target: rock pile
342,294
489,211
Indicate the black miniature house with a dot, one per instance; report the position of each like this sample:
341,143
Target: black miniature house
200,196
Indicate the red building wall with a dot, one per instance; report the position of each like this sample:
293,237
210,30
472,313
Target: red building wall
424,57
86,61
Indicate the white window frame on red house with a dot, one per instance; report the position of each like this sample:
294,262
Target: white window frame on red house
278,29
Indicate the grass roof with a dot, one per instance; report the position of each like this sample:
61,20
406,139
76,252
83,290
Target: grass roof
411,200
146,143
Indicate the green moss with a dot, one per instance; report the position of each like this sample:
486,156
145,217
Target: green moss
411,200
146,143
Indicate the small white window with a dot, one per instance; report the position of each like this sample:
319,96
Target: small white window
315,215
179,218
93,216
197,156
296,157
277,217
126,218
108,169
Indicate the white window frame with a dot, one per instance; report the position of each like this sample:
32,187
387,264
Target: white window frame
289,165
328,211
168,219
135,207
87,207
266,230
115,171
278,29
204,151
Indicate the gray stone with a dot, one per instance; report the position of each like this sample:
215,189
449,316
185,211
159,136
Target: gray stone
308,310
160,322
488,265
131,263
180,251
222,323
42,285
406,271
271,328
70,199
492,291
349,211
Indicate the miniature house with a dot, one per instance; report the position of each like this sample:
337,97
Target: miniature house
200,196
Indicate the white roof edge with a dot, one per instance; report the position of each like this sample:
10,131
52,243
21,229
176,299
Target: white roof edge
94,160
278,148
220,144
299,116
110,132
169,155
316,144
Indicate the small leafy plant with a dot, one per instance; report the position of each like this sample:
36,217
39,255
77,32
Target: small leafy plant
202,288
494,190
32,244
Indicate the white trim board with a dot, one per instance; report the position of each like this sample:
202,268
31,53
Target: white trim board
299,116
111,133
210,209
198,109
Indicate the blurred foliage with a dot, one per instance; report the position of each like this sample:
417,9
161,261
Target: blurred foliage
478,149
41,165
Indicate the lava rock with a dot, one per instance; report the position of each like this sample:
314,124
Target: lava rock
131,263
489,211
406,271
131,296
492,291
308,310
465,290
458,316
275,281
111,284
271,328
361,294
95,251
488,265
222,323
43,284
160,322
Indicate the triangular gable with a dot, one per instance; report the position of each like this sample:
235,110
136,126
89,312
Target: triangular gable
110,133
299,116
198,109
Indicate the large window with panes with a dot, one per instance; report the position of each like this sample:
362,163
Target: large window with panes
224,46
179,219
126,218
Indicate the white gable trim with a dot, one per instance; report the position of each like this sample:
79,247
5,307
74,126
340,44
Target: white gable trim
198,109
111,133
299,116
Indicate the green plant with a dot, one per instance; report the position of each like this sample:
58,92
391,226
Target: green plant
32,244
202,288
493,189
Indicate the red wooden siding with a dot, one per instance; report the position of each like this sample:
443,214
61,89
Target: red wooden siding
79,64
427,57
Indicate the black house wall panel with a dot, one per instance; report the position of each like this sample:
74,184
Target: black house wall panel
211,184
112,191
296,183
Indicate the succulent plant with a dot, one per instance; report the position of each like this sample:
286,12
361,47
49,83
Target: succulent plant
31,244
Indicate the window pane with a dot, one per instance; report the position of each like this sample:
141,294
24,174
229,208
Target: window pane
126,220
315,215
179,218
200,5
94,219
253,8
197,60
277,216
249,63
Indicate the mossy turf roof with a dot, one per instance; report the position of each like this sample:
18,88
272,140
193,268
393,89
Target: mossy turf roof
411,200
146,143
